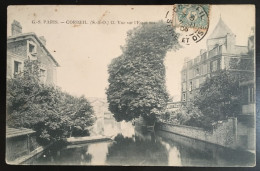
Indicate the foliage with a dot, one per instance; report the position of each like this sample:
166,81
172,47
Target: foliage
137,77
52,113
218,98
178,116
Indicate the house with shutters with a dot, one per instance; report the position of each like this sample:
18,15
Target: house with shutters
28,46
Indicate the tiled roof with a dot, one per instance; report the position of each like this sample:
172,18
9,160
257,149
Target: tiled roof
221,30
14,132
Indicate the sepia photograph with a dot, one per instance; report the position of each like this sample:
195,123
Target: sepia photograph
131,85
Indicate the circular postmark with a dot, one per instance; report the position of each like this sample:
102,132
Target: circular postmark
190,22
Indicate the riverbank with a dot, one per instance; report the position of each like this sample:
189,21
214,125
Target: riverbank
223,134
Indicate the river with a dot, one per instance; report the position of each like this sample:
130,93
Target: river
134,146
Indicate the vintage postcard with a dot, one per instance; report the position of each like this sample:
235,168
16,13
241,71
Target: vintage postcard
157,85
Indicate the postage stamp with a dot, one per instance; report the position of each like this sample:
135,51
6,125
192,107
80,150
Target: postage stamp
191,21
191,16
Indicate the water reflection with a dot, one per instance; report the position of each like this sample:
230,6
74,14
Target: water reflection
137,147
136,151
191,152
71,155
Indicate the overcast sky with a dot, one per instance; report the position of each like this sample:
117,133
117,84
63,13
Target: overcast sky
84,51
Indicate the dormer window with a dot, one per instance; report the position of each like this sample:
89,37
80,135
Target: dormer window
31,49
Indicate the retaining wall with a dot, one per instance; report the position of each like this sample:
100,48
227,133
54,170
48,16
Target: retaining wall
224,133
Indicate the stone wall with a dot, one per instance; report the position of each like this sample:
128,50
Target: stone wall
223,133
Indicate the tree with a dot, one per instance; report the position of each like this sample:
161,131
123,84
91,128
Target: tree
218,98
137,77
53,114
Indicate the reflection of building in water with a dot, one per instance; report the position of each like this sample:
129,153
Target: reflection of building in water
98,152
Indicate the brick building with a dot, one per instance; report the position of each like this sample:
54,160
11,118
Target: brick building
221,53
22,46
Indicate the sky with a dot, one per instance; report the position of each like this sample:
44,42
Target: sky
85,50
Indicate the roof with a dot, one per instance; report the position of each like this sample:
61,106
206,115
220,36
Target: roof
221,30
23,35
15,132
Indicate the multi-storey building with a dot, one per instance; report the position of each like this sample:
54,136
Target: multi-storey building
23,46
221,53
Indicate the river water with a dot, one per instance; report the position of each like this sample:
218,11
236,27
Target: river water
135,146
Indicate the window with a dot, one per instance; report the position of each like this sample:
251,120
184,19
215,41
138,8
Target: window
184,97
190,89
197,71
43,75
31,49
17,67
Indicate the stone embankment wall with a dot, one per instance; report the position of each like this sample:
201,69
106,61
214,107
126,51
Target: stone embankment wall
223,133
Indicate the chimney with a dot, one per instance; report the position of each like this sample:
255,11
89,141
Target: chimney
16,28
43,40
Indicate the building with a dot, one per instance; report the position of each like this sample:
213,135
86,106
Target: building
23,46
20,144
221,53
